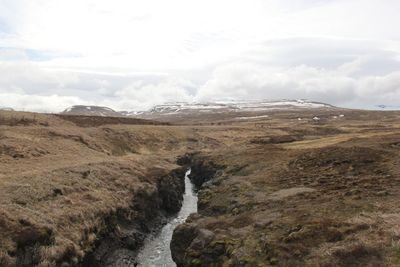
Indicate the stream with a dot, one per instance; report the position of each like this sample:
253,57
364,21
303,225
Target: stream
155,251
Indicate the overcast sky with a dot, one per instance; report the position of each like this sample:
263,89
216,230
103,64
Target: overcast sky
131,55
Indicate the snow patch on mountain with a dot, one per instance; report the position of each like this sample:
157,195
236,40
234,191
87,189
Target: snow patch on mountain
178,108
91,111
236,106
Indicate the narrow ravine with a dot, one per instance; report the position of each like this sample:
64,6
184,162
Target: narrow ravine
156,251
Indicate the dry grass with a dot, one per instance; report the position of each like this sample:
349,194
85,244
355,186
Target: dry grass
58,181
349,173
16,121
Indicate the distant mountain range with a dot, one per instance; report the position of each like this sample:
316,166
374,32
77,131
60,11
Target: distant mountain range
185,108
184,112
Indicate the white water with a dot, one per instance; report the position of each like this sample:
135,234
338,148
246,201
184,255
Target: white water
156,251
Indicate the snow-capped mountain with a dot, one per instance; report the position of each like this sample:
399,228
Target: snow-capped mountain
182,107
91,111
188,110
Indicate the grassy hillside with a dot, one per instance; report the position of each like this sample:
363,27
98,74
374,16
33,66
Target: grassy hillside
284,192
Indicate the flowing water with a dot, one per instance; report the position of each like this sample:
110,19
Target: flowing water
156,251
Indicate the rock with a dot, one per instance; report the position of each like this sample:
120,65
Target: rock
185,160
125,230
203,237
202,170
182,237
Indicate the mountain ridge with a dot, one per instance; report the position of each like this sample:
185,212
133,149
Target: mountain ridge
176,108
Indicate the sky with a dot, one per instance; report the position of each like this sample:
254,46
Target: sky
132,55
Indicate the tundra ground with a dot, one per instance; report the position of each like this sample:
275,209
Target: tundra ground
282,191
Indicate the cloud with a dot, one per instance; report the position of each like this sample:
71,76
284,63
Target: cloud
142,96
49,103
27,77
135,54
12,54
248,81
358,82
28,86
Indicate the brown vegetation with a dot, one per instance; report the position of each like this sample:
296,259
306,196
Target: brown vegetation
290,193
60,182
275,190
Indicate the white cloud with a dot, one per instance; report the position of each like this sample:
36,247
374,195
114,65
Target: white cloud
131,54
28,86
148,35
50,103
249,81
246,81
141,96
28,76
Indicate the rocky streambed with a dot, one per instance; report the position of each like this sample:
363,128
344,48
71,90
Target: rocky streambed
127,230
163,246
189,239
156,249
145,232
